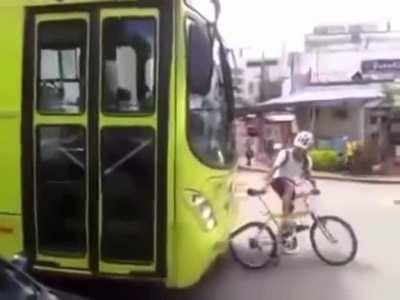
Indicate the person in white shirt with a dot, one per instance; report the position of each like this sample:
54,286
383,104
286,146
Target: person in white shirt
290,176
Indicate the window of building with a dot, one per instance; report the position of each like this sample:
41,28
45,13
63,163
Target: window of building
373,120
62,67
251,88
129,65
240,100
237,72
238,90
237,81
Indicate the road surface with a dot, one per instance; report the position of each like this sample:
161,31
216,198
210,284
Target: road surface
374,275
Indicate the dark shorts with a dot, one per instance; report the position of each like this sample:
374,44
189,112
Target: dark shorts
279,185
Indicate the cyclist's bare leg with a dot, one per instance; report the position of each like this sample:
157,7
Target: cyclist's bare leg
287,199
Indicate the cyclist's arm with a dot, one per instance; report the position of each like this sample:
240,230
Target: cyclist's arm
271,173
308,172
280,159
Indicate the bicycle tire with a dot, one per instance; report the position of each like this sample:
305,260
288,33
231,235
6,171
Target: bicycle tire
268,256
349,229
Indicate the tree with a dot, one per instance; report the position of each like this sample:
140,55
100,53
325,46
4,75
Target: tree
392,94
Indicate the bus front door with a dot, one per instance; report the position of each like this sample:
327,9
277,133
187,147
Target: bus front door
91,121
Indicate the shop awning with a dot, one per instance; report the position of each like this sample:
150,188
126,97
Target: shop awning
383,103
329,95
280,117
375,103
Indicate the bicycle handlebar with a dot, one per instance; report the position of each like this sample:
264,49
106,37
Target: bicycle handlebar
252,192
255,192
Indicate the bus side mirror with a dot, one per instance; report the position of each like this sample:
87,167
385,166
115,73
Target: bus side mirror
217,6
201,61
228,80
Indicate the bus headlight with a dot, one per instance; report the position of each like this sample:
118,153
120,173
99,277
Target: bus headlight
211,224
198,200
205,211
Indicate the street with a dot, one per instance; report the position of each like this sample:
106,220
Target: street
374,275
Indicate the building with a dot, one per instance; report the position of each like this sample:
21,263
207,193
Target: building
339,85
256,77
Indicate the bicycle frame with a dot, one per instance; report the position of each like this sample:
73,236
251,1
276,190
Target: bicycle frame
275,217
268,244
308,212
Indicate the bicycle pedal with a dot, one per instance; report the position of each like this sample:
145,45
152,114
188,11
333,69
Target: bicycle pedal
276,261
275,254
300,228
286,235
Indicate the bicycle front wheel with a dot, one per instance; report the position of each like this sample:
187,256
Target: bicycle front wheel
253,245
333,240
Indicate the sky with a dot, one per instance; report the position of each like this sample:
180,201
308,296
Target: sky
272,25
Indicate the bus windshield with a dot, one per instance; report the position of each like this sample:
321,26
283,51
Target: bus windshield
210,125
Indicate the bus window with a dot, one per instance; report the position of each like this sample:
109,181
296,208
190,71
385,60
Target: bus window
210,134
61,70
128,65
61,189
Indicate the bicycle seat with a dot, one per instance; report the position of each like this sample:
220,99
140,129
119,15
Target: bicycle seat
315,192
254,192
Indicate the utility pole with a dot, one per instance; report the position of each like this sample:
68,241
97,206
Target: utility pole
262,79
262,97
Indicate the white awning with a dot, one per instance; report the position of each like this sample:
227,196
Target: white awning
280,117
329,94
374,103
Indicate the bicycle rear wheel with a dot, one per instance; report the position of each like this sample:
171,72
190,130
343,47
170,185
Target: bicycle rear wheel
333,240
253,245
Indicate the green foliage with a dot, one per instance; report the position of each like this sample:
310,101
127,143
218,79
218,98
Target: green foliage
365,156
327,160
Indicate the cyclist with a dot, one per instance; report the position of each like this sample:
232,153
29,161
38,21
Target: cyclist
290,178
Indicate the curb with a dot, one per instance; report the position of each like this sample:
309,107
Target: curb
358,180
249,169
335,178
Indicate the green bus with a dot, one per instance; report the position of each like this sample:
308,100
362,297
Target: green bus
117,142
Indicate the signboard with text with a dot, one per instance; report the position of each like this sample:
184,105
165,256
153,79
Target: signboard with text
380,66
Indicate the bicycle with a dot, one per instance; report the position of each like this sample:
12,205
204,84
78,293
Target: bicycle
266,246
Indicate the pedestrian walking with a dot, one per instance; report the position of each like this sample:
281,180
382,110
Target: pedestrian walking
249,152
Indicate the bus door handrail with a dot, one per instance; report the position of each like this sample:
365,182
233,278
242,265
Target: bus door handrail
127,157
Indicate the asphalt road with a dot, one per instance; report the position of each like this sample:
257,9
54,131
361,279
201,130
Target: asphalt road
374,275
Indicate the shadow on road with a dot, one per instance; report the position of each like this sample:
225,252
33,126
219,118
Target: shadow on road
297,277
106,289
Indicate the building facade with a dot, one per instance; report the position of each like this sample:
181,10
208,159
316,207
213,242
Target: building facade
339,84
257,77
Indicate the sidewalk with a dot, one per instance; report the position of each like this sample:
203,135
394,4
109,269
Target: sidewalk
374,179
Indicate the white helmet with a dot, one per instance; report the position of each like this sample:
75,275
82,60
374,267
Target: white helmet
304,140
